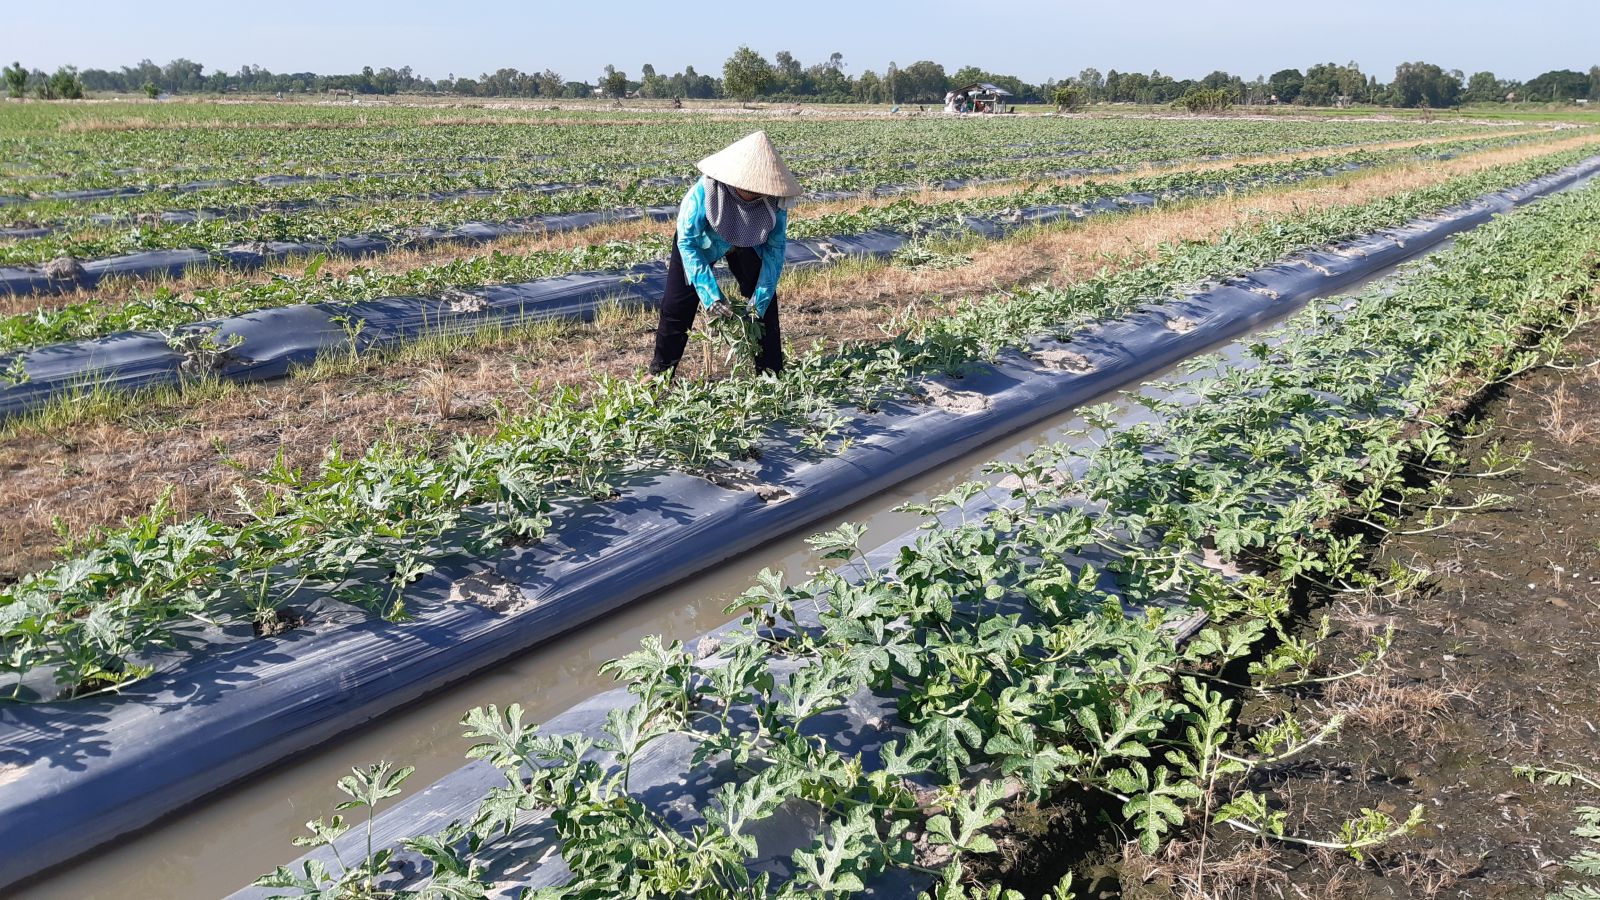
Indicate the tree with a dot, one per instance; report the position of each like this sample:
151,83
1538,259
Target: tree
1068,97
699,86
1352,83
1594,82
506,82
1483,87
1257,91
1112,90
653,85
387,80
63,85
967,75
183,75
16,80
869,87
151,90
1134,87
1286,84
1321,85
788,77
1093,84
1557,86
747,74
828,78
923,81
1164,89
1425,84
1202,99
549,83
614,83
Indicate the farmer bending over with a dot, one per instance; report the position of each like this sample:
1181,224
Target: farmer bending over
736,211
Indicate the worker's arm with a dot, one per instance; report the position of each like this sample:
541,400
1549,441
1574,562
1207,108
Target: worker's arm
693,239
772,252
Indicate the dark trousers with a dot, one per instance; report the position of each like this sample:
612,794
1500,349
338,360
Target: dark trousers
680,304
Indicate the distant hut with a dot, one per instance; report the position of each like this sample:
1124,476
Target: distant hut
982,97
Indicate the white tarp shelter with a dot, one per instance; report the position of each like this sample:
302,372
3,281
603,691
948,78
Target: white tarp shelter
978,97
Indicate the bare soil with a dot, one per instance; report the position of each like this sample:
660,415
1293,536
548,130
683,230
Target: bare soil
1494,665
282,621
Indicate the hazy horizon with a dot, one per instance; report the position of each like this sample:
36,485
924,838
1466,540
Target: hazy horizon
1032,40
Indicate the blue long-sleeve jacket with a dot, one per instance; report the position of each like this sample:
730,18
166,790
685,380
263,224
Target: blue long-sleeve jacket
701,246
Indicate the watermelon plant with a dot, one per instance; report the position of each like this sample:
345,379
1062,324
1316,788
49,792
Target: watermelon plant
1030,650
363,527
162,308
395,203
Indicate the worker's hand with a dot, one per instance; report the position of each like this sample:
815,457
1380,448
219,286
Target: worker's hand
719,310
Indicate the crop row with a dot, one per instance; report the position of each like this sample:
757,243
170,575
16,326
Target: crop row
310,191
395,141
419,178
164,309
382,217
1006,665
364,527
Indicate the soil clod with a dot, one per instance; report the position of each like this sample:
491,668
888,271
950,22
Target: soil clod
281,621
488,589
64,268
953,400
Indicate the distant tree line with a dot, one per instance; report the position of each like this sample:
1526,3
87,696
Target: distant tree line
748,75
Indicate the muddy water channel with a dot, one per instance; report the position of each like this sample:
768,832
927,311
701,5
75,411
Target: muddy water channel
223,843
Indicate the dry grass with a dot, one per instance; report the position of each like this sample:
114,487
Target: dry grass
93,469
1384,705
438,386
94,472
1566,424
1183,870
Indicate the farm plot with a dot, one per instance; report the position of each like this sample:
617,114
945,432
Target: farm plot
452,528
848,158
52,149
83,466
564,188
230,347
361,541
892,724
396,510
991,213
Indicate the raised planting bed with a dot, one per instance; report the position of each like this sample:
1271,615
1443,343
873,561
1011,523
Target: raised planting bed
272,342
90,769
171,249
868,732
57,159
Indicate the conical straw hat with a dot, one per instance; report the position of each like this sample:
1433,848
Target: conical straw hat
752,163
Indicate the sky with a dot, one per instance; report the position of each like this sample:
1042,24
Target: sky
1031,39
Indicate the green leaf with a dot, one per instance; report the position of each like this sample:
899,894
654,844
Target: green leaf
832,864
